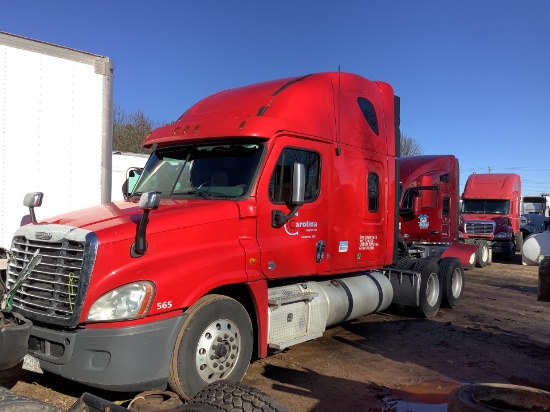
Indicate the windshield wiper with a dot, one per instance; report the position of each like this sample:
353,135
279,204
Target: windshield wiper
204,195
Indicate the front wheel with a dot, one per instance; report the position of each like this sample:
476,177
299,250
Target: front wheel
215,342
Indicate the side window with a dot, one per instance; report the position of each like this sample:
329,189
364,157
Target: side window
446,206
373,191
370,114
280,185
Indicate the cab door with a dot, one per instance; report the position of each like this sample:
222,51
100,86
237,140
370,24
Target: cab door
297,247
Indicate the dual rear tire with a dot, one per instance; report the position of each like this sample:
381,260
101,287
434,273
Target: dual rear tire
430,287
451,274
441,285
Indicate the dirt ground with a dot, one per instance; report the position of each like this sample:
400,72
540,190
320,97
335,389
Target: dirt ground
500,333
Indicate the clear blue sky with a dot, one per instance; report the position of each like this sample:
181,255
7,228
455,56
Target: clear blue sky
473,75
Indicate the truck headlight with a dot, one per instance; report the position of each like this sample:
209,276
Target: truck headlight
126,302
503,235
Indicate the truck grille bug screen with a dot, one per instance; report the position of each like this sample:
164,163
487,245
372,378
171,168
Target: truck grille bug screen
54,288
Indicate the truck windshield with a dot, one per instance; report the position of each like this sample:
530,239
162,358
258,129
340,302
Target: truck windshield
224,170
497,207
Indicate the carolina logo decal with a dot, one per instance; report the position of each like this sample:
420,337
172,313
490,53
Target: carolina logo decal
423,222
304,229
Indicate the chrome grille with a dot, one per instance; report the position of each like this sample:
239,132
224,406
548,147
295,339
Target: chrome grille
479,228
54,290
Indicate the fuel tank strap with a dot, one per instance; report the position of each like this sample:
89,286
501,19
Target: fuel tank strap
350,299
380,292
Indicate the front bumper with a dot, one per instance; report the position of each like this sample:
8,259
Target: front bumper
14,335
503,246
134,358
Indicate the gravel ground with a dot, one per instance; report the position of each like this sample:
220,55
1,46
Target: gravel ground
500,333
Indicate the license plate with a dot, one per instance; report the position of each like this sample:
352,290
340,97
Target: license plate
30,363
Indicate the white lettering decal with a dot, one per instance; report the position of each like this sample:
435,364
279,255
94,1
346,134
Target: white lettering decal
368,242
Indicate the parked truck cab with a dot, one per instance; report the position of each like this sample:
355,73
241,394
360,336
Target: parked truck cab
429,208
490,211
430,203
264,215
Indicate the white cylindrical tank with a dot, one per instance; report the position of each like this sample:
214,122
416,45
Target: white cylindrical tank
535,247
349,298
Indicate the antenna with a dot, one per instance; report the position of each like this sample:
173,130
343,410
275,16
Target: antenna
338,148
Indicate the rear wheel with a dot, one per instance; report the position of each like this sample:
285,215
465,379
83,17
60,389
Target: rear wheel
472,261
214,343
430,288
451,275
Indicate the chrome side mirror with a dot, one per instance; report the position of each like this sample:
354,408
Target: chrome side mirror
32,200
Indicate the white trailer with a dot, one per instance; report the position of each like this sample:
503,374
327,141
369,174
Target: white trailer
123,162
537,204
55,130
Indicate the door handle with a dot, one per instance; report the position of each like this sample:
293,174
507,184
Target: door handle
320,251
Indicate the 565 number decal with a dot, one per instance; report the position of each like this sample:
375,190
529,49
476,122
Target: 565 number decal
164,305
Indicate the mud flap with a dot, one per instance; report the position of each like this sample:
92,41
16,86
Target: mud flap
14,336
461,251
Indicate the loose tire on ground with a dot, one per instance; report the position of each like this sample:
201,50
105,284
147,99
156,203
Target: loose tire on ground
490,397
451,275
430,287
482,254
215,343
233,396
11,402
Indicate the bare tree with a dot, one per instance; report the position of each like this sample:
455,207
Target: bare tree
409,146
129,130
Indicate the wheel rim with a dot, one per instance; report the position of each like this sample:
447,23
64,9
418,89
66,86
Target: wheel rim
432,289
218,350
456,283
472,259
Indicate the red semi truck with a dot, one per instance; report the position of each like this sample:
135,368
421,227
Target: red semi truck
264,215
429,208
491,213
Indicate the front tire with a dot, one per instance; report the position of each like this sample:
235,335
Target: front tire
215,342
451,275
